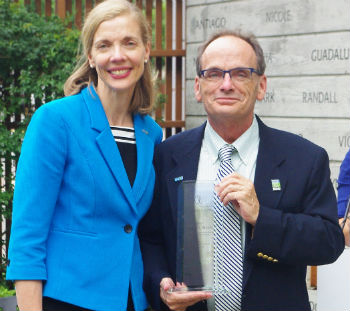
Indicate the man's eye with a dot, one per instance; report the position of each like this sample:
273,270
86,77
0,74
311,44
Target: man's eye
241,73
214,74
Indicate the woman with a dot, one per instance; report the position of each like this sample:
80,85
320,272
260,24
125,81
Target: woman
344,195
80,192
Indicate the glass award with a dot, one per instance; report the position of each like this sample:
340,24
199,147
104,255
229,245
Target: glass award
197,252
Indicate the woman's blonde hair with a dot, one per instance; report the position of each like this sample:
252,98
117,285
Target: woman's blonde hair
83,75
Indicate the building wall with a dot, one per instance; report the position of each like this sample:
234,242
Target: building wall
307,52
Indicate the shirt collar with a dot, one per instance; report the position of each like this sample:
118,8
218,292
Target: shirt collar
244,144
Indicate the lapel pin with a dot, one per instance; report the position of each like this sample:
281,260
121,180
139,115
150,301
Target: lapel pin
176,179
146,132
276,185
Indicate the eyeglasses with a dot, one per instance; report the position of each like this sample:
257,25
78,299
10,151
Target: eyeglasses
240,74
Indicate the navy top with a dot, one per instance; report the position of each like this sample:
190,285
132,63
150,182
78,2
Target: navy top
344,185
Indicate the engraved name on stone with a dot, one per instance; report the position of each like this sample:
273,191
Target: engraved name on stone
209,23
319,97
330,54
279,16
344,141
269,97
268,56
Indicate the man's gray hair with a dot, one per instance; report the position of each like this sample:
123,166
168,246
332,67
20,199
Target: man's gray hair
247,37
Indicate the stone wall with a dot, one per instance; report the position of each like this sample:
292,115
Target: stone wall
307,52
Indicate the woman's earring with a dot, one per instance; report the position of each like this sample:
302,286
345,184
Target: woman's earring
146,61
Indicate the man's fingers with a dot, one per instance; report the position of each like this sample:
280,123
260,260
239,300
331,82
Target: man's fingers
181,300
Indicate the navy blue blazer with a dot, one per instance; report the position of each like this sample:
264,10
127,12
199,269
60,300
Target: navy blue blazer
297,226
75,215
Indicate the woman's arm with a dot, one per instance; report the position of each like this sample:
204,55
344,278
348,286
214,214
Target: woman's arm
29,295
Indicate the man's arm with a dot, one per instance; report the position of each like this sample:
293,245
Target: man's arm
153,252
307,232
303,229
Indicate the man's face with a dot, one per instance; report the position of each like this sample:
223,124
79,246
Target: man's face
229,99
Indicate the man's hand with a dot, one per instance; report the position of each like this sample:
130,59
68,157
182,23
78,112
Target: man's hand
179,301
241,193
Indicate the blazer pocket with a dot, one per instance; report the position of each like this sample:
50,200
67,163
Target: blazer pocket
75,232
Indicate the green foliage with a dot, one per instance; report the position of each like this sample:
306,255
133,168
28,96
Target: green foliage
5,292
37,54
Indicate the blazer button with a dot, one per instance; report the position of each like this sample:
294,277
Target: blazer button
128,228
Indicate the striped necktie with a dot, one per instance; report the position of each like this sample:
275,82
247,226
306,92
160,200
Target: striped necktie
228,263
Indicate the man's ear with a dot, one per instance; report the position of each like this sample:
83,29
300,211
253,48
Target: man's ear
197,89
261,88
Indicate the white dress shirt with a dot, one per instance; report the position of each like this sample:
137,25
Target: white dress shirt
244,163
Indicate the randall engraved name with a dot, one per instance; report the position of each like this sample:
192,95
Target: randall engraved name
319,97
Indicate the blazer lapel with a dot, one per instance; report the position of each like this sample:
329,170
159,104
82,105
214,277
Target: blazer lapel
268,170
106,143
270,182
145,150
185,159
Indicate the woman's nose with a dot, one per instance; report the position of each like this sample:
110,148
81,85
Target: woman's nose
117,54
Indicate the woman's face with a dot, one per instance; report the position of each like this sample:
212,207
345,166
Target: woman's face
118,54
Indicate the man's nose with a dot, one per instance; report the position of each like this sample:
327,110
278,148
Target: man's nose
226,82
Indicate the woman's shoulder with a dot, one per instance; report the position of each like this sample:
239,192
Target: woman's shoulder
63,104
60,109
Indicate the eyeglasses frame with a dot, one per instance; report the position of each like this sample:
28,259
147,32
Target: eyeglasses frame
252,70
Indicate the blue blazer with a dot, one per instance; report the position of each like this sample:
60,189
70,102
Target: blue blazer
75,215
297,226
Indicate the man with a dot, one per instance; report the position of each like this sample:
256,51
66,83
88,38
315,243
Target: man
280,189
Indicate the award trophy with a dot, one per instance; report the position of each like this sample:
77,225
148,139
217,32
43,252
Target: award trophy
197,253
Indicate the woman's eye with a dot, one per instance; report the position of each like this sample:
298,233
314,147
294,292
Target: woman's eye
130,43
101,46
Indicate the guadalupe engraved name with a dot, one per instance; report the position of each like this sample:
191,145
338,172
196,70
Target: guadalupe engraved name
330,54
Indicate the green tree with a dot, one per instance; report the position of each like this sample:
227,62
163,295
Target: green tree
37,54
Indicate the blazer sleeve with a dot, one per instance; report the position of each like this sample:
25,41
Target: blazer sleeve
38,179
152,245
310,234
